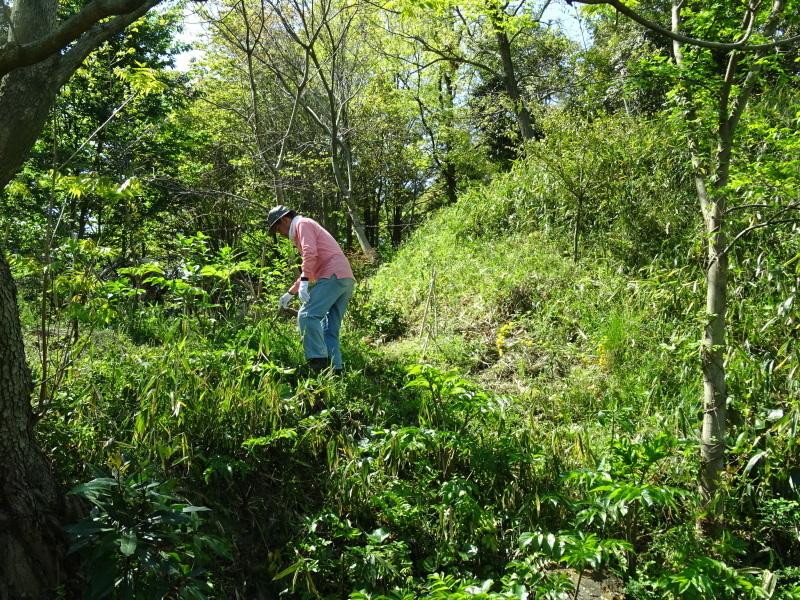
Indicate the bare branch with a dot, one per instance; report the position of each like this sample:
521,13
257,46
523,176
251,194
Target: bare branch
745,207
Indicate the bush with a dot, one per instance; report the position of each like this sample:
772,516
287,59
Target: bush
140,540
376,317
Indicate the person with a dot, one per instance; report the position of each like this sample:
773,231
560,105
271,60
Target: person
324,303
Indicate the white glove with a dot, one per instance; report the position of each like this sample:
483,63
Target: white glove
302,293
285,300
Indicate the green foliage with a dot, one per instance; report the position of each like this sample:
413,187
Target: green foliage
548,415
708,578
577,550
140,540
376,317
450,402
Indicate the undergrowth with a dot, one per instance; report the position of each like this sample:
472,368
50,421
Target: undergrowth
510,420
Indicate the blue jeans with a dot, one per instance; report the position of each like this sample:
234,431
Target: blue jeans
320,319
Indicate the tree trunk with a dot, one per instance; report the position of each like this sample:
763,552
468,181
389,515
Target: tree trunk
730,105
23,113
512,88
712,439
576,231
344,182
712,434
31,502
32,505
397,223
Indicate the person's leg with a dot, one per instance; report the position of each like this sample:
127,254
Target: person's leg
311,315
333,324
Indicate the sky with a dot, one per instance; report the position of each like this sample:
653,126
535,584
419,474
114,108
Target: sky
192,30
568,17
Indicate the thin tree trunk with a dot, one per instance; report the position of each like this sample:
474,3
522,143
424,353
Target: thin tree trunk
344,183
730,107
512,88
715,391
576,233
712,435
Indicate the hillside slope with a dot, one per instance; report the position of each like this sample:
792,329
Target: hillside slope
487,289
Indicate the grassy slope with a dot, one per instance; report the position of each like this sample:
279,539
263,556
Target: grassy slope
504,302
588,347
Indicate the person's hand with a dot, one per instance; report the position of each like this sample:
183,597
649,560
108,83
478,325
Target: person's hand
302,293
285,300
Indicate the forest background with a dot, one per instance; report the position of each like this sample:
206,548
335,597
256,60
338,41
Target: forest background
572,354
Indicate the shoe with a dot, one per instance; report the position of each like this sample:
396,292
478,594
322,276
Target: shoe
317,365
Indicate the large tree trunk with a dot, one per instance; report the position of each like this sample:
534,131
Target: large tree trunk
31,502
22,114
26,94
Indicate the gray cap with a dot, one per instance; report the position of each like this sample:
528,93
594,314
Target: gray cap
275,215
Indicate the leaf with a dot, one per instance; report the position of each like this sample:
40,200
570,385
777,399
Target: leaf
289,570
775,414
100,484
124,186
216,546
128,543
170,517
379,535
86,527
753,461
210,271
103,579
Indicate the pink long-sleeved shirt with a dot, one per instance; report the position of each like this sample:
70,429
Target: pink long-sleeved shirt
322,256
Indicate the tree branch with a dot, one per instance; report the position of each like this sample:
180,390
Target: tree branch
97,34
744,207
677,37
773,220
14,55
739,103
454,58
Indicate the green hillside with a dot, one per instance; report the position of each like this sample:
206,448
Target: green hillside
601,358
